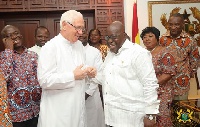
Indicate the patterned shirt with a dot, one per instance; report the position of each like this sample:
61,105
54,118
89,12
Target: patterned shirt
186,57
103,49
4,111
24,92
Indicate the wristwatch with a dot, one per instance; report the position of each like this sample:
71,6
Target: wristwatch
150,117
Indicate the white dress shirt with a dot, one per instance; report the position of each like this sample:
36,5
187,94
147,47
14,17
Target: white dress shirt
129,86
35,49
94,109
63,97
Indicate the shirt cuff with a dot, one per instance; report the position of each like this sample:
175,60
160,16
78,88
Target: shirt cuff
152,109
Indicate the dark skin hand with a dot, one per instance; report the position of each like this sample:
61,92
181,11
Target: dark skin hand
8,43
164,78
149,123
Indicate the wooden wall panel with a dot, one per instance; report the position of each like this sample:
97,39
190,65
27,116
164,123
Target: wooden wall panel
53,21
1,43
28,23
104,11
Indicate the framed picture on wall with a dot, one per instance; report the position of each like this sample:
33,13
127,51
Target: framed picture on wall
159,12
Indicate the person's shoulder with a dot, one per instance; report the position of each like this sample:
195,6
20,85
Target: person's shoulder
91,48
78,44
32,54
32,48
184,34
138,48
51,43
134,49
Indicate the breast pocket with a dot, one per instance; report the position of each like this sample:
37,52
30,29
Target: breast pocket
123,68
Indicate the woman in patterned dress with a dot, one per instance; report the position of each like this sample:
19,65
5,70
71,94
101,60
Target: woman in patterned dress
4,110
94,39
165,69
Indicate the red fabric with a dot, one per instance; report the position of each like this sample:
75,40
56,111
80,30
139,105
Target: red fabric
135,22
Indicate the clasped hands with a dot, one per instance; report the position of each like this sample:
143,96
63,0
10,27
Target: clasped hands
82,72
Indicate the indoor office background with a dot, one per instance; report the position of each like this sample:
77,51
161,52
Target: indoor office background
29,14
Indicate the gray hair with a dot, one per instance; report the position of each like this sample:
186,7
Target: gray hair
70,16
4,30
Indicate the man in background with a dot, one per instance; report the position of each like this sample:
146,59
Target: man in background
187,55
41,37
20,69
94,109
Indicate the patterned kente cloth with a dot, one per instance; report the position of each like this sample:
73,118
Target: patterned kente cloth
164,63
103,49
24,92
4,110
186,57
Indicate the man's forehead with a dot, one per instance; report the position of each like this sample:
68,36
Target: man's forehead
79,21
12,29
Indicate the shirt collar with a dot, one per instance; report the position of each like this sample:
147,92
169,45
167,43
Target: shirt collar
38,47
24,48
127,44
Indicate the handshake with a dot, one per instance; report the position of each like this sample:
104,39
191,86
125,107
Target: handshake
81,72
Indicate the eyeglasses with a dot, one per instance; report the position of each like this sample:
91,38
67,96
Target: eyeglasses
14,35
112,37
77,28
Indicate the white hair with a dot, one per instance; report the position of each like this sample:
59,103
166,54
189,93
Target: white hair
70,16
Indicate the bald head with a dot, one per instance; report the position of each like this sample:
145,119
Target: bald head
116,26
115,36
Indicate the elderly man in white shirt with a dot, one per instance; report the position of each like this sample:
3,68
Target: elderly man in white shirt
42,35
94,109
62,73
129,82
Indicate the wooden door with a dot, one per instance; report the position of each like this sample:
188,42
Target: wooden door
27,22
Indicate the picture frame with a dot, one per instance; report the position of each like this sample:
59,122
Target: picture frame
158,8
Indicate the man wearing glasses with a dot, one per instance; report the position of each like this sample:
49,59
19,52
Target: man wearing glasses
61,74
129,82
20,70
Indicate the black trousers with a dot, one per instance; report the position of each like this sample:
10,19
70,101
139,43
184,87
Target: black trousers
29,123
